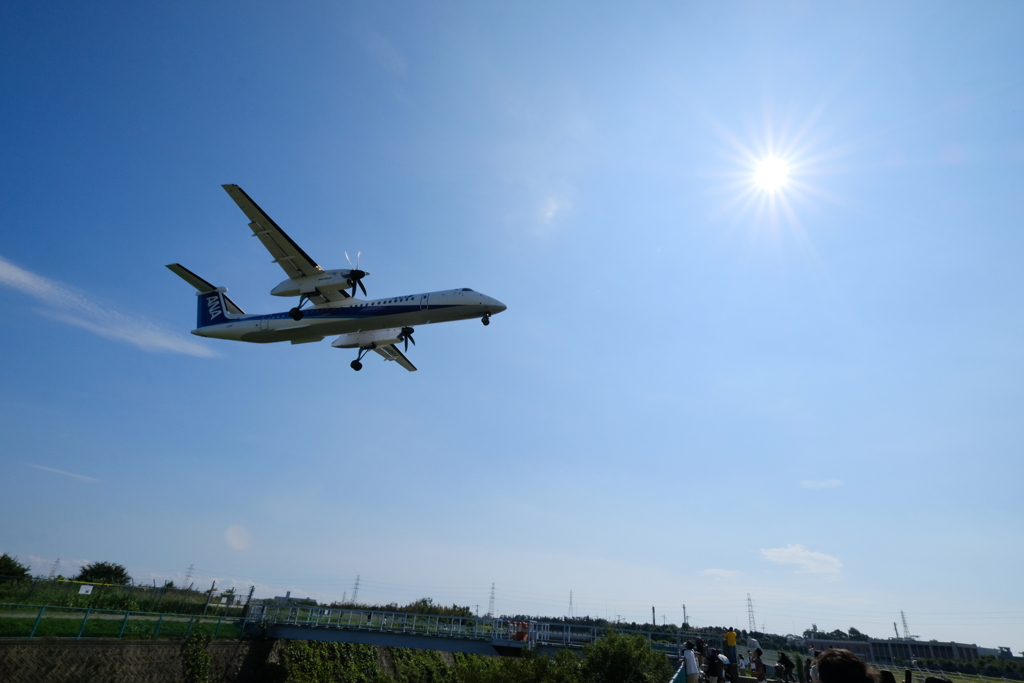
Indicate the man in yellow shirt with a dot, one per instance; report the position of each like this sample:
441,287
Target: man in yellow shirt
730,653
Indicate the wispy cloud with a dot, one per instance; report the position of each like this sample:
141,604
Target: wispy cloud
70,306
381,49
79,477
722,573
808,561
826,484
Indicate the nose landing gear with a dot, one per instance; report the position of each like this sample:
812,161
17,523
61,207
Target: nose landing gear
486,320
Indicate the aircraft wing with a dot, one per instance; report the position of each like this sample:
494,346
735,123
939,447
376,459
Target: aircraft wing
290,256
391,352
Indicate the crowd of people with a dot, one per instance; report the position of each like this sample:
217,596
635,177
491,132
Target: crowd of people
705,664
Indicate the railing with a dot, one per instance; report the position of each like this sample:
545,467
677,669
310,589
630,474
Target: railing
35,621
43,621
471,628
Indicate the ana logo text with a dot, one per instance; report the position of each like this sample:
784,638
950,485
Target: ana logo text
213,304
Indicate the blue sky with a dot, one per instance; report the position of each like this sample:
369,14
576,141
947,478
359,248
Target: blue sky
700,388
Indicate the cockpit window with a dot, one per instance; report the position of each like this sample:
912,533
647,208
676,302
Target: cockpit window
466,289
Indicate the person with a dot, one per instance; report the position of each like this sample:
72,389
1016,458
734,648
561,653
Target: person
787,667
714,667
690,663
730,651
757,669
842,666
742,662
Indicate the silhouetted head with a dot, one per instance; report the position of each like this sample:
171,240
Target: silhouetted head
842,666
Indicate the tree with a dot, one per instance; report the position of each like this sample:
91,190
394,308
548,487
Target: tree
104,572
616,658
11,569
857,635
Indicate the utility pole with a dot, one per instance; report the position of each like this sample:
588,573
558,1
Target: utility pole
750,613
686,622
490,603
654,619
209,597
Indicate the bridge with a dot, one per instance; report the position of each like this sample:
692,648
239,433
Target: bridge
470,635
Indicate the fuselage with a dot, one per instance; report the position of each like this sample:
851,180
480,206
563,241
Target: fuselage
354,315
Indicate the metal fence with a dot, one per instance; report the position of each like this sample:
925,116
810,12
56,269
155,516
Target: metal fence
45,621
559,634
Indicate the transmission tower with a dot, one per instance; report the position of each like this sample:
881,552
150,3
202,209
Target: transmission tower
750,613
490,604
906,630
188,576
53,569
355,591
571,615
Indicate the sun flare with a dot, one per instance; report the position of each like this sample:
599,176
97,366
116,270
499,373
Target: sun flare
771,174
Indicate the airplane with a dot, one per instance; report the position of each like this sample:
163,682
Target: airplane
378,325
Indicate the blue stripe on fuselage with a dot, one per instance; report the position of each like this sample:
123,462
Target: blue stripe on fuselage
352,312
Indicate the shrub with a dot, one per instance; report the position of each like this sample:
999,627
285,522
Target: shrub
104,572
11,569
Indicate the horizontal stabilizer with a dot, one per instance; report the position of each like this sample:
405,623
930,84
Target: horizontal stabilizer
202,286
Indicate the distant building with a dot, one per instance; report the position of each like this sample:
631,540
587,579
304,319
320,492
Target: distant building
886,651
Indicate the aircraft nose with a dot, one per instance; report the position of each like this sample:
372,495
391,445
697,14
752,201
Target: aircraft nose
497,305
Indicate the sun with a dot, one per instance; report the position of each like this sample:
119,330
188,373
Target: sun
771,174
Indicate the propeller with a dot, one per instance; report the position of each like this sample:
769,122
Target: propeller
406,335
355,276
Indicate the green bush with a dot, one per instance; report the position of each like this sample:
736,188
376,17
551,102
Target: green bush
11,569
104,572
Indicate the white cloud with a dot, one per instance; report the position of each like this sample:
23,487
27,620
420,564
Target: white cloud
383,50
808,561
826,484
552,206
722,573
79,477
74,308
237,537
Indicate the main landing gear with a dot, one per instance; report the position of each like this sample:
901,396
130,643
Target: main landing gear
296,313
356,365
486,320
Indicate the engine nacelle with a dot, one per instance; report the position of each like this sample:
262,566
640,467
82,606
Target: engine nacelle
327,281
358,340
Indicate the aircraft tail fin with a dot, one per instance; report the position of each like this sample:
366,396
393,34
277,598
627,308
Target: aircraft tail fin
212,309
214,306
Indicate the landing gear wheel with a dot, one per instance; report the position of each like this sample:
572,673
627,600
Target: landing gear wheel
356,365
296,314
486,320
